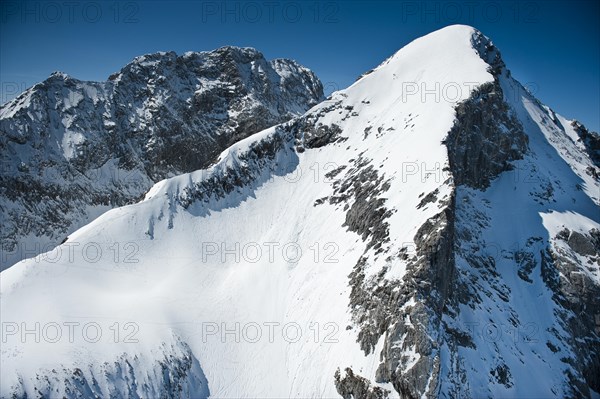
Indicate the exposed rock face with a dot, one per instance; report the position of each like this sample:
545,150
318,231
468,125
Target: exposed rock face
579,297
262,155
485,138
486,135
428,282
584,245
590,140
73,149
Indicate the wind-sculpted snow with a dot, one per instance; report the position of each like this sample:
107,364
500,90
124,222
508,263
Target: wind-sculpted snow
386,243
72,149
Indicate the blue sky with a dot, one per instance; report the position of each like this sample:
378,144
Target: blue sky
552,47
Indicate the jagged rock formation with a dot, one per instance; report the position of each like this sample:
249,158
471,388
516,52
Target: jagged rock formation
590,141
353,386
73,149
485,139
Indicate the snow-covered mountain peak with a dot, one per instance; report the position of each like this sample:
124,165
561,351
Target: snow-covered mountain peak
438,64
159,116
445,41
241,52
59,75
422,81
430,231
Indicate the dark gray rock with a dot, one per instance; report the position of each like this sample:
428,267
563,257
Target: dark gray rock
591,141
353,386
578,297
582,244
485,138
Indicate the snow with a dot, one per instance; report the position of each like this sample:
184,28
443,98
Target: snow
70,141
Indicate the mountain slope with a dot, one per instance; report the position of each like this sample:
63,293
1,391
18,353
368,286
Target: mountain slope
364,249
72,149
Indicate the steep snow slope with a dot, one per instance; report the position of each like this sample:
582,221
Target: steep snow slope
72,149
363,249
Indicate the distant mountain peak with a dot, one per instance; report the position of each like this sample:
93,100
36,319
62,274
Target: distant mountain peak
160,115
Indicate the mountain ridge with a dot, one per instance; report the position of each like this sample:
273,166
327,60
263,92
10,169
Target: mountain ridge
90,146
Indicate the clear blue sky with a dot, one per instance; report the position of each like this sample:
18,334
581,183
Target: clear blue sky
551,46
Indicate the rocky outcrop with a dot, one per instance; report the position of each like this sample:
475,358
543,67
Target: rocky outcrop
359,190
590,140
415,328
579,299
248,167
352,386
485,138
